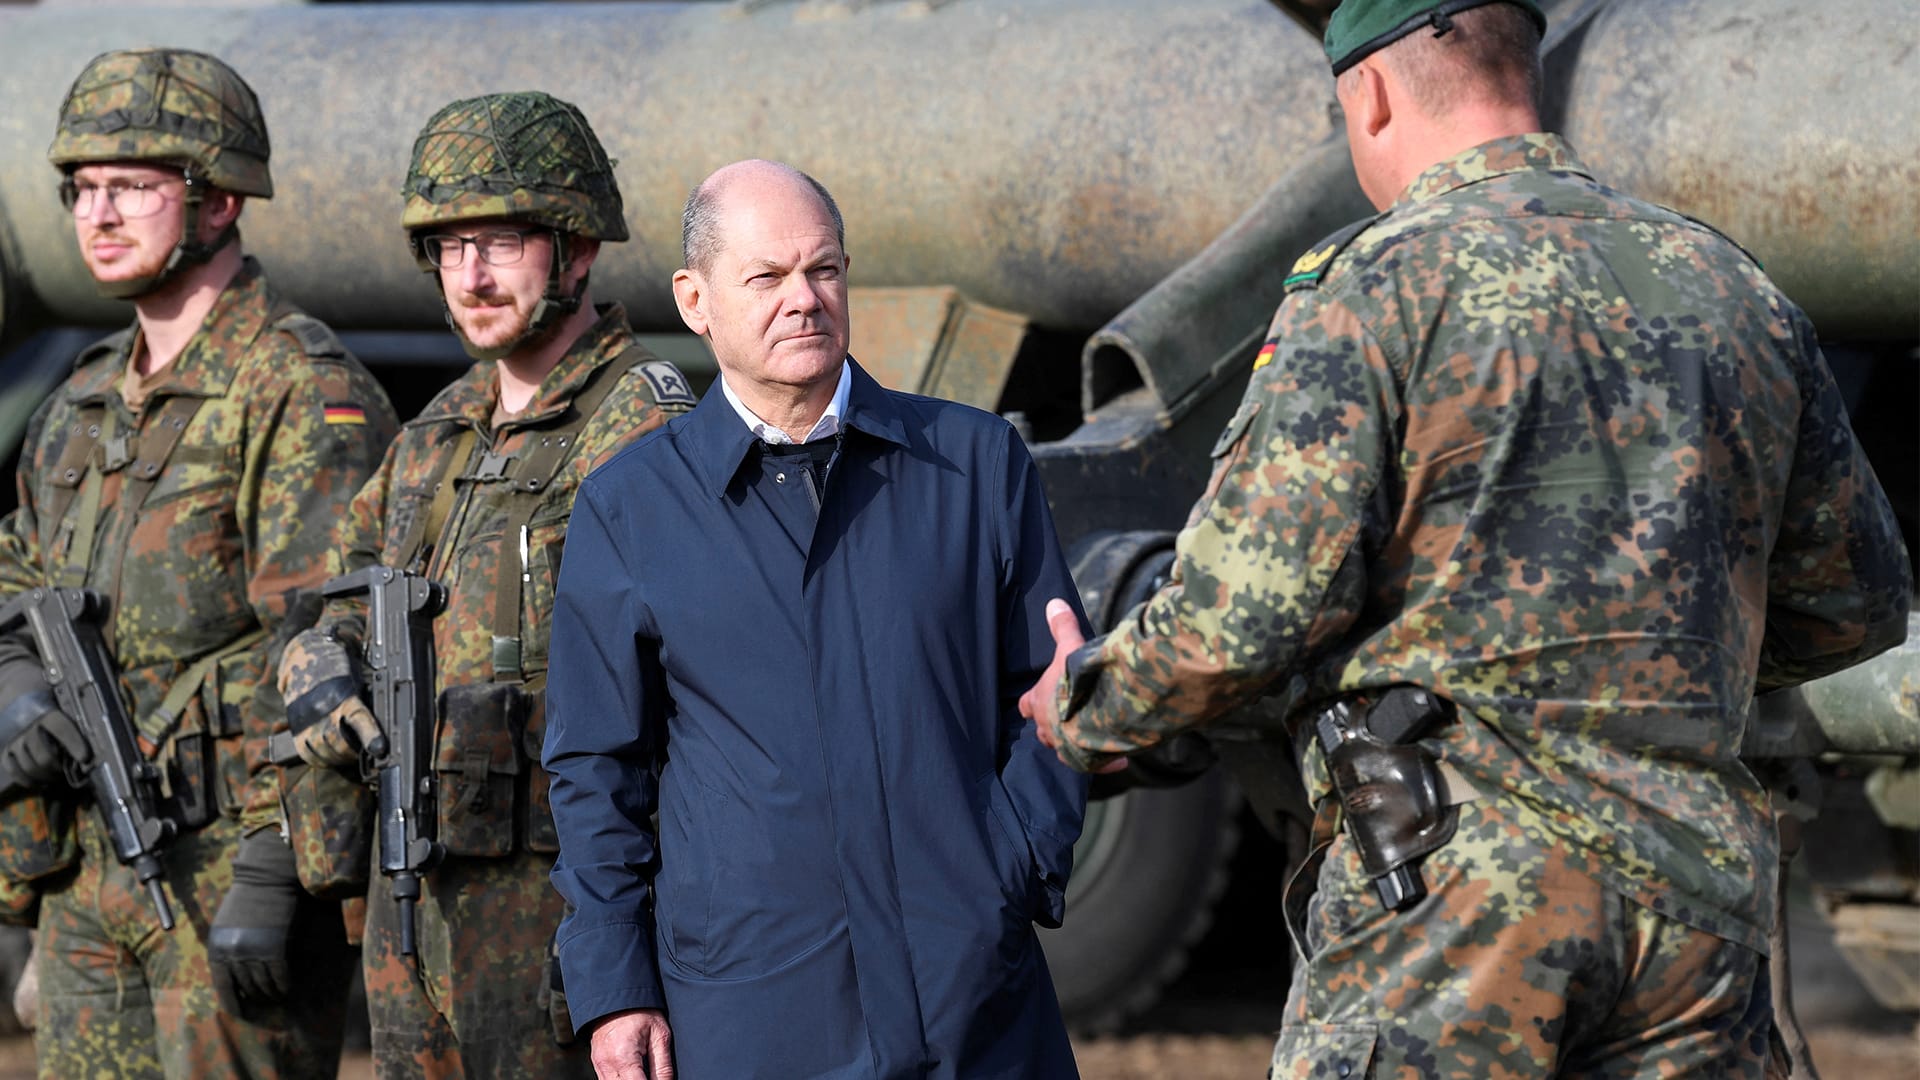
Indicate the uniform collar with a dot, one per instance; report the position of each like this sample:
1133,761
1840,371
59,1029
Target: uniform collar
205,368
1539,151
472,396
720,443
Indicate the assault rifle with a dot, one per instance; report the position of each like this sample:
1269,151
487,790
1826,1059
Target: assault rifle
400,678
65,624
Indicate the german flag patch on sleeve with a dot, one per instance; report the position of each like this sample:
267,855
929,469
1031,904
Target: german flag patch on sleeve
345,412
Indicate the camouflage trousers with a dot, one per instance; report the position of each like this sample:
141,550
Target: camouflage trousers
475,1003
122,998
1518,963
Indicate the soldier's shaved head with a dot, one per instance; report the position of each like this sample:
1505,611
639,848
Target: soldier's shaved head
1491,56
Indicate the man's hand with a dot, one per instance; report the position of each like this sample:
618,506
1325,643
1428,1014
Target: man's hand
331,725
1037,704
634,1045
37,757
247,946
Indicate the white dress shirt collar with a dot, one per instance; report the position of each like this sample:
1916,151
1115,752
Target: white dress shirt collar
828,424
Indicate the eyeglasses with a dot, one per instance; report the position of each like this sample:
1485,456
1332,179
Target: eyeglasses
139,198
496,247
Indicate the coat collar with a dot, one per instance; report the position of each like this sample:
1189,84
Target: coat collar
1539,151
472,396
205,368
720,442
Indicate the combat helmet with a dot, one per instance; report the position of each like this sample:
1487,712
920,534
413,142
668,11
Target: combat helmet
522,156
174,107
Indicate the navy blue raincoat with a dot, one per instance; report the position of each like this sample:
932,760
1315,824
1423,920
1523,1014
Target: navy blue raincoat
815,687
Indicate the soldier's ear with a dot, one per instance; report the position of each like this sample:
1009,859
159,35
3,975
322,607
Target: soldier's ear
220,209
581,251
690,296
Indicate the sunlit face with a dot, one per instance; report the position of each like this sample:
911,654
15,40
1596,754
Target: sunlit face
117,246
493,305
774,301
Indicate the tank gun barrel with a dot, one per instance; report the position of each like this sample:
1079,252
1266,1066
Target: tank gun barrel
1050,158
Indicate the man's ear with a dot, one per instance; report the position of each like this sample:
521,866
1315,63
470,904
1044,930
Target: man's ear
220,209
690,296
581,252
1375,103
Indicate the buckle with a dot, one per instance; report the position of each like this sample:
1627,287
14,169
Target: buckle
116,453
492,467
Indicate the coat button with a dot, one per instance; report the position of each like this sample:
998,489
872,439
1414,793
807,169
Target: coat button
1345,1069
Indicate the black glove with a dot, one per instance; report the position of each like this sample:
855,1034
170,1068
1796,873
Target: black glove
43,741
248,944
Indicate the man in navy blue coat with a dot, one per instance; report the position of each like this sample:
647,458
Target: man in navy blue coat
796,623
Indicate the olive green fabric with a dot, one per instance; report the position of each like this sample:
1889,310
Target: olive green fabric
175,106
523,155
1360,28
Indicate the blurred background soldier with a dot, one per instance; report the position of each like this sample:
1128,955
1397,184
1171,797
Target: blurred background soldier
508,199
1533,487
187,472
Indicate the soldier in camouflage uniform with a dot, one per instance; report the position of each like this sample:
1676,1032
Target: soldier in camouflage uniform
1573,463
187,471
508,199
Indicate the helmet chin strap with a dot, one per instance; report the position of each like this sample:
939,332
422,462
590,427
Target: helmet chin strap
188,253
548,314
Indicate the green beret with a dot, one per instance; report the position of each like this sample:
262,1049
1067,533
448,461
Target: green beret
1360,28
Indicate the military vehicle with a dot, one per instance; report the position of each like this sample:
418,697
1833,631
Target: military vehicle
1078,214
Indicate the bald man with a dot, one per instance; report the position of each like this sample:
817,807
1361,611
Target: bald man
796,624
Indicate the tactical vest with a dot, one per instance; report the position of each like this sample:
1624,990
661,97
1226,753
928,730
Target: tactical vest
95,450
493,797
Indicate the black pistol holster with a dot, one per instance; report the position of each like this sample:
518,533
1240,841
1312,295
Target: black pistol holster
1391,794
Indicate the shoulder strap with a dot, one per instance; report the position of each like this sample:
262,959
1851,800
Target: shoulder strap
549,451
156,444
424,535
1715,230
315,337
71,468
1309,269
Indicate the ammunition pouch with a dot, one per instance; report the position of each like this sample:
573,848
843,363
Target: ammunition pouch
493,793
198,726
37,840
331,818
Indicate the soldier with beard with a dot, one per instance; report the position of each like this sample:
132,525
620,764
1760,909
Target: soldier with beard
186,472
508,199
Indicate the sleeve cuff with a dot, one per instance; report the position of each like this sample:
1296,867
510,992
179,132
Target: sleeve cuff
609,968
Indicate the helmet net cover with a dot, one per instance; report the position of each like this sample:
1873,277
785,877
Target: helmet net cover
525,156
174,106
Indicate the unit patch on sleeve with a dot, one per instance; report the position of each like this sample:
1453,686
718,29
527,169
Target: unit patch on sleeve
669,386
